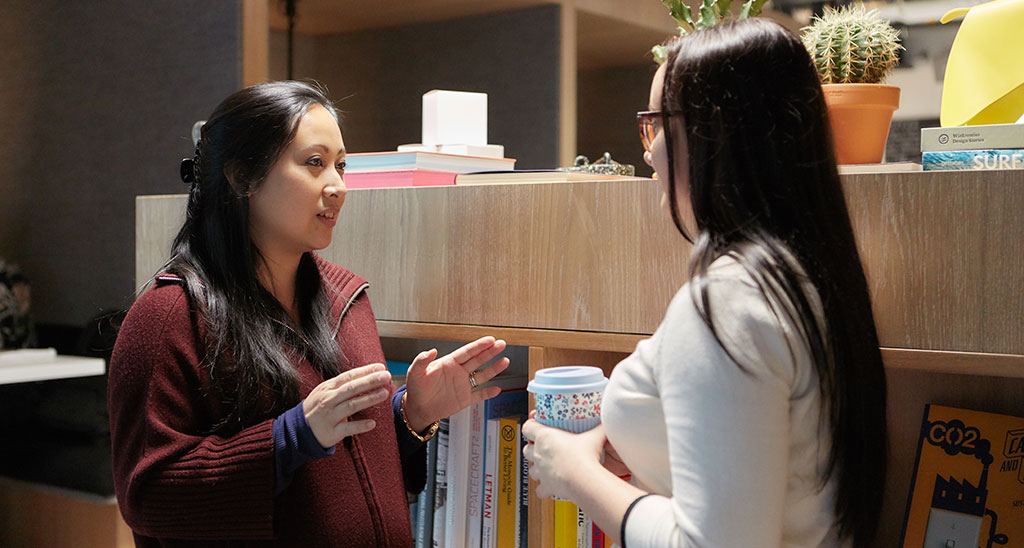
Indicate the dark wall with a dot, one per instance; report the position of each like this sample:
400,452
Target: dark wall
97,100
380,76
608,100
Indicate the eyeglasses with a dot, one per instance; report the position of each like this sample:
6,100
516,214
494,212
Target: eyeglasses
648,120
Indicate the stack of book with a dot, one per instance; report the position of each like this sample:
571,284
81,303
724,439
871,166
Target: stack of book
993,146
415,168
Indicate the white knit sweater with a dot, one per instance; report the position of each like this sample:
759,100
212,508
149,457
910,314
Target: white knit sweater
734,455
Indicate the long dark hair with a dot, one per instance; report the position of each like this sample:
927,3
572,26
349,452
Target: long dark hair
251,341
765,189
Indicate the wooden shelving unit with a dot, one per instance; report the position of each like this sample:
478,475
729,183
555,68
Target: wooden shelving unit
592,33
579,272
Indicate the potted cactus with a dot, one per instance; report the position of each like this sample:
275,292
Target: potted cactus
711,13
854,50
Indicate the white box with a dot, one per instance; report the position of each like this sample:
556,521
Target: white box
454,117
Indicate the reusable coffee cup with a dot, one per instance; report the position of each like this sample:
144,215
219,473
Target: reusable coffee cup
568,397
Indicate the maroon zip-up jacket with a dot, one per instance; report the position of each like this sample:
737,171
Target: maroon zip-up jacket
178,485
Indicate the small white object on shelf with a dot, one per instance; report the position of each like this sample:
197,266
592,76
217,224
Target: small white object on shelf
451,117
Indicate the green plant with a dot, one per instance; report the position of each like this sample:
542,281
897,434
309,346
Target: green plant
852,45
712,12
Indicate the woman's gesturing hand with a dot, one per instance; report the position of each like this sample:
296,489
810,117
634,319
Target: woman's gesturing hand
440,387
330,405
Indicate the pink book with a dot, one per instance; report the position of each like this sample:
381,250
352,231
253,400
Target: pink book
398,178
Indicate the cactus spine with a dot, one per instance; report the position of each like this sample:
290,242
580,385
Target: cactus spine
852,45
712,12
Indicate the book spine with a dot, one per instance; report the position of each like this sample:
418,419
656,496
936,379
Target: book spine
440,485
524,494
458,479
425,500
941,139
1012,158
474,502
487,526
508,491
564,524
584,533
597,537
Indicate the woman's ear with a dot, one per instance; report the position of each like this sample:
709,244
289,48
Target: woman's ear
234,174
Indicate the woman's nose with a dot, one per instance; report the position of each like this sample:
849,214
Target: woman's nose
336,189
648,159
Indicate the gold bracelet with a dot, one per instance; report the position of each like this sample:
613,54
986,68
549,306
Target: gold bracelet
428,433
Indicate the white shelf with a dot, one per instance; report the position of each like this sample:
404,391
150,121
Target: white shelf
60,367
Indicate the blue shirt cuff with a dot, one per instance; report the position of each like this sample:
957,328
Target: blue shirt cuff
294,446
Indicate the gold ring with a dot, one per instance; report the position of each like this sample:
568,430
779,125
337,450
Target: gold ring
472,379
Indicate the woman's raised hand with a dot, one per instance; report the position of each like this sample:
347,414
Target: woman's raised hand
330,405
440,387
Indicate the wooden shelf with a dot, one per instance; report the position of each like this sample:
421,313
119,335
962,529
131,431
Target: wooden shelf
975,364
575,340
580,272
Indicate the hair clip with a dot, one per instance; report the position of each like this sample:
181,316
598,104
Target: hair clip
188,171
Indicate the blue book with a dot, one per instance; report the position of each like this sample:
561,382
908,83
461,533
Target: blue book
389,161
987,159
510,403
424,524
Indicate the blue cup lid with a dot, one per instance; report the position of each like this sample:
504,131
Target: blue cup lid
566,379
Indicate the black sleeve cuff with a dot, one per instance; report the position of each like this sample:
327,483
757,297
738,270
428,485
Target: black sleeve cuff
622,528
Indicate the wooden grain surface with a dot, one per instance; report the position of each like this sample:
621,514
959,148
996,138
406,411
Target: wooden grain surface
941,251
943,255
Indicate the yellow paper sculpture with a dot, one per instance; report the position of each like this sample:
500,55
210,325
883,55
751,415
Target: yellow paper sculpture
984,81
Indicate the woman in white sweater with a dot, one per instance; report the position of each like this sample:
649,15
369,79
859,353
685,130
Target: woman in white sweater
755,414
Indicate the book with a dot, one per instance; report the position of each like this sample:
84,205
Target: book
1012,158
522,531
564,524
487,151
418,159
584,529
440,485
884,167
414,516
597,537
399,178
968,483
474,499
533,176
989,136
508,482
425,501
488,514
458,479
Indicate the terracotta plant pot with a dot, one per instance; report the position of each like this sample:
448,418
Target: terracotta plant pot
861,115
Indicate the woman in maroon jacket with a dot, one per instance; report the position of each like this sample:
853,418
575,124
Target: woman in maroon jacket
248,400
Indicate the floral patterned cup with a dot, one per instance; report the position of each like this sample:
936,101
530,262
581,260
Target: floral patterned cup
569,397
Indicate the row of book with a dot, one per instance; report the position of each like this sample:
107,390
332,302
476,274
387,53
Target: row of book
967,486
574,529
992,146
477,481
